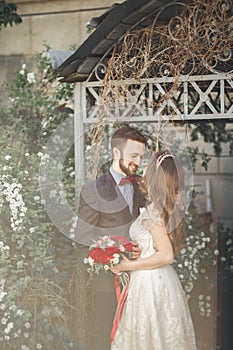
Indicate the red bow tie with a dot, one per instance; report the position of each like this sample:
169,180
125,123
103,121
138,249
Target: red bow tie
128,179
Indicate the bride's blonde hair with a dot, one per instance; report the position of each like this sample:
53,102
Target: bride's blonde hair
163,180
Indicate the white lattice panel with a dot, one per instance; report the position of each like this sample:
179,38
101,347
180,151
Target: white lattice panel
195,98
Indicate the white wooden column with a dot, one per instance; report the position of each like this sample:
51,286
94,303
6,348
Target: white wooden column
79,112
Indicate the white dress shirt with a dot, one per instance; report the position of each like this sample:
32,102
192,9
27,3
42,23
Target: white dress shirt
126,190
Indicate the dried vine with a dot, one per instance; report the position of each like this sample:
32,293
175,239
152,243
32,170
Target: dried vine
198,40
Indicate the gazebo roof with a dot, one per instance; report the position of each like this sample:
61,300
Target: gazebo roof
109,28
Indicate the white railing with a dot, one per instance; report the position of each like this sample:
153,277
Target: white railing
189,98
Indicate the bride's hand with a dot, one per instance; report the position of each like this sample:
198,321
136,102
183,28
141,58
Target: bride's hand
122,266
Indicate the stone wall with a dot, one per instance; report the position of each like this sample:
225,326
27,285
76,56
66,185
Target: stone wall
61,24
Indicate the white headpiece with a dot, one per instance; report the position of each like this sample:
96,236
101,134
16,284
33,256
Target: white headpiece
161,158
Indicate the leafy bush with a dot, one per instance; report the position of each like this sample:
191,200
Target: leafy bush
37,261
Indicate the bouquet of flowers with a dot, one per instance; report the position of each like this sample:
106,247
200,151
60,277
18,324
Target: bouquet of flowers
103,254
107,252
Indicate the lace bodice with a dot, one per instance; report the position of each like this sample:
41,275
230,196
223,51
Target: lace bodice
140,234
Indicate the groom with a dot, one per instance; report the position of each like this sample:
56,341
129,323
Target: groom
108,206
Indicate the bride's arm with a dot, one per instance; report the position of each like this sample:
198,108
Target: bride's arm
163,255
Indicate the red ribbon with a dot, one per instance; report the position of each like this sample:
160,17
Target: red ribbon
121,298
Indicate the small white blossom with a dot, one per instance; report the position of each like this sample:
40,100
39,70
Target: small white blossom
3,320
122,248
31,78
2,306
45,55
7,157
115,259
24,347
91,261
19,312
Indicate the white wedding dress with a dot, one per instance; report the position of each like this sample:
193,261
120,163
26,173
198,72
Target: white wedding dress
156,315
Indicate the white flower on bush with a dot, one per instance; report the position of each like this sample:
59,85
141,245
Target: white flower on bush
4,320
7,157
2,293
3,247
24,347
10,189
45,55
71,235
189,262
2,306
31,78
9,327
75,220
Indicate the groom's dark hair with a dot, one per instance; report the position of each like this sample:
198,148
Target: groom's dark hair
127,133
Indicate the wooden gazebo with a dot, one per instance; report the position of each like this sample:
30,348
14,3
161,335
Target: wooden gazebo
203,95
202,89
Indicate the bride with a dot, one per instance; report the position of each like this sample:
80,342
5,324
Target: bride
156,315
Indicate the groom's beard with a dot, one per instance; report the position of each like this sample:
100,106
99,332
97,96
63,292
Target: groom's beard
126,169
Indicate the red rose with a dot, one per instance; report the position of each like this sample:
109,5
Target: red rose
124,241
102,256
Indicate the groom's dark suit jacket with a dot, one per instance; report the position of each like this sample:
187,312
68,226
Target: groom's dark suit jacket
103,210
